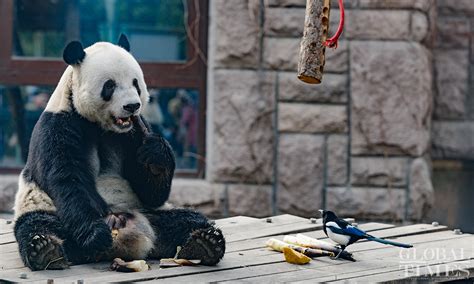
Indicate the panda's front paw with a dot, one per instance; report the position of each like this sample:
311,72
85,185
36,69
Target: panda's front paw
95,238
156,155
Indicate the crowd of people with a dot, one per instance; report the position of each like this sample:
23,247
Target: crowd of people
171,112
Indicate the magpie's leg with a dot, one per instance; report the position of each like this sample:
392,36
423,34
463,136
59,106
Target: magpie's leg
342,249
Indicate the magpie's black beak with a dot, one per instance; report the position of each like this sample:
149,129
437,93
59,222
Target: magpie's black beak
321,211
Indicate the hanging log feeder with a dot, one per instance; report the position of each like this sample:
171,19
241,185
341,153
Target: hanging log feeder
314,41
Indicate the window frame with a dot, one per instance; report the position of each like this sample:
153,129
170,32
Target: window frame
190,74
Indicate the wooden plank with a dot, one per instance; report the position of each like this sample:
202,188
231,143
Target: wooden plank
10,263
235,274
283,224
260,242
370,256
392,233
10,247
279,270
409,230
7,238
235,221
277,221
231,261
6,226
396,271
459,270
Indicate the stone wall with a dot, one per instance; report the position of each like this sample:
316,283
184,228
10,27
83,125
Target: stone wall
358,143
453,125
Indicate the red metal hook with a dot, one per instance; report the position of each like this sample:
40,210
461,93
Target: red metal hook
332,42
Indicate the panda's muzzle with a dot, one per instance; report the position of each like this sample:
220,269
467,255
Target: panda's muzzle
126,121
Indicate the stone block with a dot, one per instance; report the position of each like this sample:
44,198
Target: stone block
333,88
367,203
337,60
282,54
420,26
337,159
421,193
379,171
236,32
289,22
453,140
452,32
423,5
205,197
242,144
284,22
310,118
377,24
249,200
300,168
391,94
285,3
452,81
458,7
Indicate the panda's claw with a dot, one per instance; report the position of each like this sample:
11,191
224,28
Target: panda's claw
46,252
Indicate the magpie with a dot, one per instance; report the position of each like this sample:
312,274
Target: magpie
345,234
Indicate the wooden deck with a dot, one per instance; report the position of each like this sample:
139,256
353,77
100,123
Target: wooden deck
438,254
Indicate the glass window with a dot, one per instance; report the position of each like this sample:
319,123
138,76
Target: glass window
168,37
155,28
172,112
20,108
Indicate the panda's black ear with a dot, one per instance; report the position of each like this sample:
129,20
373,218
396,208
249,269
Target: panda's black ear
74,53
123,42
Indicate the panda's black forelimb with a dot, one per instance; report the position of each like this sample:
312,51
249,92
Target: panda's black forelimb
150,168
60,165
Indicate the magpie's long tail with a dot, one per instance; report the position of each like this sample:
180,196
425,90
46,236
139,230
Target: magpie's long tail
387,242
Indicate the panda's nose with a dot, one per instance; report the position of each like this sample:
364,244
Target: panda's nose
131,107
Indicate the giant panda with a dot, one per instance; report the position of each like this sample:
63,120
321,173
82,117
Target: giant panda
93,169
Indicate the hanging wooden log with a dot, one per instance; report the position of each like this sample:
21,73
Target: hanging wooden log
312,49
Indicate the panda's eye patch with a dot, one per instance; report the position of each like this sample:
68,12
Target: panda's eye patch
108,90
135,84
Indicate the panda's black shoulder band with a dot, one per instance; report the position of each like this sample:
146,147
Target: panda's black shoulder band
74,53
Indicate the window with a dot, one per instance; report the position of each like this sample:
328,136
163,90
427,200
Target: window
168,38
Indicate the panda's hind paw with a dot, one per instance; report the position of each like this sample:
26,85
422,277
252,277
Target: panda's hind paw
207,244
46,252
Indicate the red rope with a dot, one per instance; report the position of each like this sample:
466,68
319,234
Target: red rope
332,42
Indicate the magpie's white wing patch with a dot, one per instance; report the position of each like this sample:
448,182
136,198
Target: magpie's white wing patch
332,224
338,238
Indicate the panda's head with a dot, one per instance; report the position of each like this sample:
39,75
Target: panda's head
107,84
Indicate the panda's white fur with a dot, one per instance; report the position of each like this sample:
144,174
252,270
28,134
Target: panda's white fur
114,189
30,197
